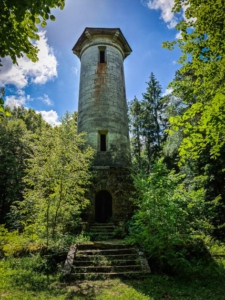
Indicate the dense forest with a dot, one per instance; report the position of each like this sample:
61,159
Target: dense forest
178,163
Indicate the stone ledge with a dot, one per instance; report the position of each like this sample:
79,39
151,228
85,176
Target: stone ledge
101,167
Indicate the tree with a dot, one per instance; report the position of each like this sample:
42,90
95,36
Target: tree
169,213
136,128
148,121
203,66
57,176
153,120
19,25
15,144
17,133
3,112
201,85
34,121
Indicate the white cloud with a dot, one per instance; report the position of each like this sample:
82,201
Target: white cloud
16,101
50,117
167,92
166,12
20,99
45,99
20,92
39,72
178,36
166,7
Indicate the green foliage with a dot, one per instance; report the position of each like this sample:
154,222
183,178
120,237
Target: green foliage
15,243
18,21
17,133
201,82
169,214
57,176
4,112
148,122
20,279
14,148
200,85
136,124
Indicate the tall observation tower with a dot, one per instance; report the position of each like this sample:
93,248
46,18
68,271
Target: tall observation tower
102,114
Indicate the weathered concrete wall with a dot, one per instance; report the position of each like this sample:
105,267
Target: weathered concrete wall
102,101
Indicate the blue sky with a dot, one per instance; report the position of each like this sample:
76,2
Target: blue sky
51,85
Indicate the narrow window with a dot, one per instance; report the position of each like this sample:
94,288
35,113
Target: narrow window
102,142
102,56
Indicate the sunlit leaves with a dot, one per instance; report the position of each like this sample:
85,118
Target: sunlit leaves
57,174
202,77
18,21
169,211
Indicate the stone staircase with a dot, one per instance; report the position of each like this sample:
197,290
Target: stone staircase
101,260
104,257
101,231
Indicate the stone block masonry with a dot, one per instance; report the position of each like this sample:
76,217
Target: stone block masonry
102,114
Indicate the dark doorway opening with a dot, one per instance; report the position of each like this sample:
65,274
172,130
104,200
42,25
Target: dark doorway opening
103,207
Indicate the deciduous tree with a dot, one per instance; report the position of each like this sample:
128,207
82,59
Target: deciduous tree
19,25
57,176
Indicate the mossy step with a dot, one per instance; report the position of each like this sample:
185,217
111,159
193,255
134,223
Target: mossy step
103,245
101,229
102,224
81,269
94,276
107,251
108,257
104,261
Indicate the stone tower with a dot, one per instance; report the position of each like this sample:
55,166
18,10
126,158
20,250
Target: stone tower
102,114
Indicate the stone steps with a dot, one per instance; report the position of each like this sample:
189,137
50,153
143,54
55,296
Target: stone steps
106,260
122,251
101,231
95,262
107,269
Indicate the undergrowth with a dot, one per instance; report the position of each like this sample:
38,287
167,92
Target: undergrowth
26,278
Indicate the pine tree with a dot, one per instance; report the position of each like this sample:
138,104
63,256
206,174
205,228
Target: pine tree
135,110
153,119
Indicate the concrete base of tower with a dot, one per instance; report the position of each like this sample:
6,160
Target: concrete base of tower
109,194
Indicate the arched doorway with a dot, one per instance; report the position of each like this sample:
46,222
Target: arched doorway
103,207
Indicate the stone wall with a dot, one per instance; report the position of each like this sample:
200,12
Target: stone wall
118,182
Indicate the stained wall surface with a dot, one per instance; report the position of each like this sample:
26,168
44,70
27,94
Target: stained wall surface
102,105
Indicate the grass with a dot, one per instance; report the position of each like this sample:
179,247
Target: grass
23,279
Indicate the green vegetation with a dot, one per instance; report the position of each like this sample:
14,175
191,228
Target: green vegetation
19,26
178,162
24,279
44,175
148,122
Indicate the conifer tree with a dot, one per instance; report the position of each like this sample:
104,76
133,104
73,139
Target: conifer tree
136,129
153,119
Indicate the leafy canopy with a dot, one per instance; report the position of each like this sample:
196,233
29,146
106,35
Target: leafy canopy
19,25
202,77
57,174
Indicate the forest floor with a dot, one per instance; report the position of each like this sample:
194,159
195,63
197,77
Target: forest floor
21,280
